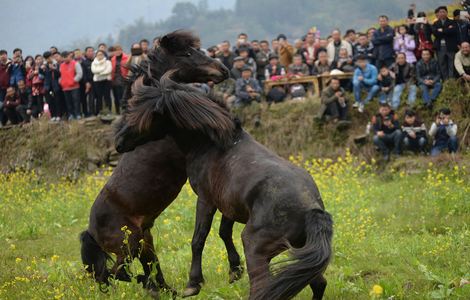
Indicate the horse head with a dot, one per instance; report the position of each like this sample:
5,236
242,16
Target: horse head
164,106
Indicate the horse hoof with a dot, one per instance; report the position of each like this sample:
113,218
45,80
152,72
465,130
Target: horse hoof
191,291
235,275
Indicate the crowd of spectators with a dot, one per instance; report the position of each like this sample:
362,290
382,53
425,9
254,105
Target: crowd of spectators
384,63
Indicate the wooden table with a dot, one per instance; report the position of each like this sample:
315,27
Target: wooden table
318,81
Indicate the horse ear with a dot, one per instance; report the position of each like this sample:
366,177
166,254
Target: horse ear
166,42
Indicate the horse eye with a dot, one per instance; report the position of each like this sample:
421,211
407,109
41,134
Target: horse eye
188,54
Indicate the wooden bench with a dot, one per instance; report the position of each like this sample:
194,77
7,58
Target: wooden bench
318,81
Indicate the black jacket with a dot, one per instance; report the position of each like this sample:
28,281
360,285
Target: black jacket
450,34
87,73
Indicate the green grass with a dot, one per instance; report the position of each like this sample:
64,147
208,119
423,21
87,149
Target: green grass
409,234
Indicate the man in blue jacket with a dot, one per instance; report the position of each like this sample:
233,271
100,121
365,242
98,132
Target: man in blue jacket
383,43
365,77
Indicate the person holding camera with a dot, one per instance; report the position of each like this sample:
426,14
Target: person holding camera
444,133
428,76
333,102
17,69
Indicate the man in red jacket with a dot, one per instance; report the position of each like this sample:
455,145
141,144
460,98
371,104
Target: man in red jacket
119,74
70,75
4,81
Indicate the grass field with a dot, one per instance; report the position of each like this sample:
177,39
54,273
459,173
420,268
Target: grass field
397,236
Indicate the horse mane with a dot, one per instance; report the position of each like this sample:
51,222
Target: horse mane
179,40
191,109
187,107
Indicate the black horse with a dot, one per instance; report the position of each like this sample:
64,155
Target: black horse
278,201
147,180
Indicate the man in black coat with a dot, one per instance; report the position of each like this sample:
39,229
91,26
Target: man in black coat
88,79
447,36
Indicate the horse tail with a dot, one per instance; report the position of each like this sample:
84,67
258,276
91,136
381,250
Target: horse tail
94,258
309,262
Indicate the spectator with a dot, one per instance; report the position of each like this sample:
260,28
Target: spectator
383,43
334,103
462,61
322,66
344,62
242,42
298,69
335,45
365,78
224,91
5,65
118,76
79,58
70,75
247,88
350,37
255,46
28,107
463,26
37,79
405,43
17,68
156,42
28,70
250,62
414,133
423,35
405,77
444,133
135,58
446,33
370,33
274,68
385,81
238,64
309,51
286,51
412,11
53,50
211,51
52,89
262,60
387,133
298,45
102,69
9,105
226,56
144,45
88,106
365,48
275,46
103,47
428,77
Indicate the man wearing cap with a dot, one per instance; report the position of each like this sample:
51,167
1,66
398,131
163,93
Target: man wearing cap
387,133
247,88
446,33
274,68
238,64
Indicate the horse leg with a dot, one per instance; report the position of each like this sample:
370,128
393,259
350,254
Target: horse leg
148,259
204,215
257,263
318,286
225,233
118,270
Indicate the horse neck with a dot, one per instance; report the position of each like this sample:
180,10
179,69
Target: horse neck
192,144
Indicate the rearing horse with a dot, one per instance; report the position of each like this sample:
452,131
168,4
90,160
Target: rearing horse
148,179
278,201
